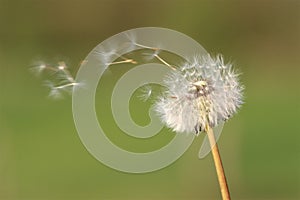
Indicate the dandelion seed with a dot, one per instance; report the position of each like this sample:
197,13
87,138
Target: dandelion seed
39,68
107,57
155,54
105,54
125,60
130,45
146,93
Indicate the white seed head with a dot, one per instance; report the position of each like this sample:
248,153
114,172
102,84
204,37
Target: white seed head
201,93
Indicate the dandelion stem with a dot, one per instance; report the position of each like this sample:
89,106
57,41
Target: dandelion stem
218,164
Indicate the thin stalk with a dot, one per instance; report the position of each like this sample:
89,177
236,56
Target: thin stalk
218,164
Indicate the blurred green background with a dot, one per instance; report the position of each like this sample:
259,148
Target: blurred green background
41,156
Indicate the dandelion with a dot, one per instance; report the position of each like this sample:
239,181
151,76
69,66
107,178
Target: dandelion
199,95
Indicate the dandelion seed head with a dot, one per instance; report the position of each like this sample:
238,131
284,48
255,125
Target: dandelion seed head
202,92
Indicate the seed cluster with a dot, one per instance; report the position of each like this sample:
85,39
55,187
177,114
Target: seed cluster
201,93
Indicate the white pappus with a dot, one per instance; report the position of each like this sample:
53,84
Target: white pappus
199,94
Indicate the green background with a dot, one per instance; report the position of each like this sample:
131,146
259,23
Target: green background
41,156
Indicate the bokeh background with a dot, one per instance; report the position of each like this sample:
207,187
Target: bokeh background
41,156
